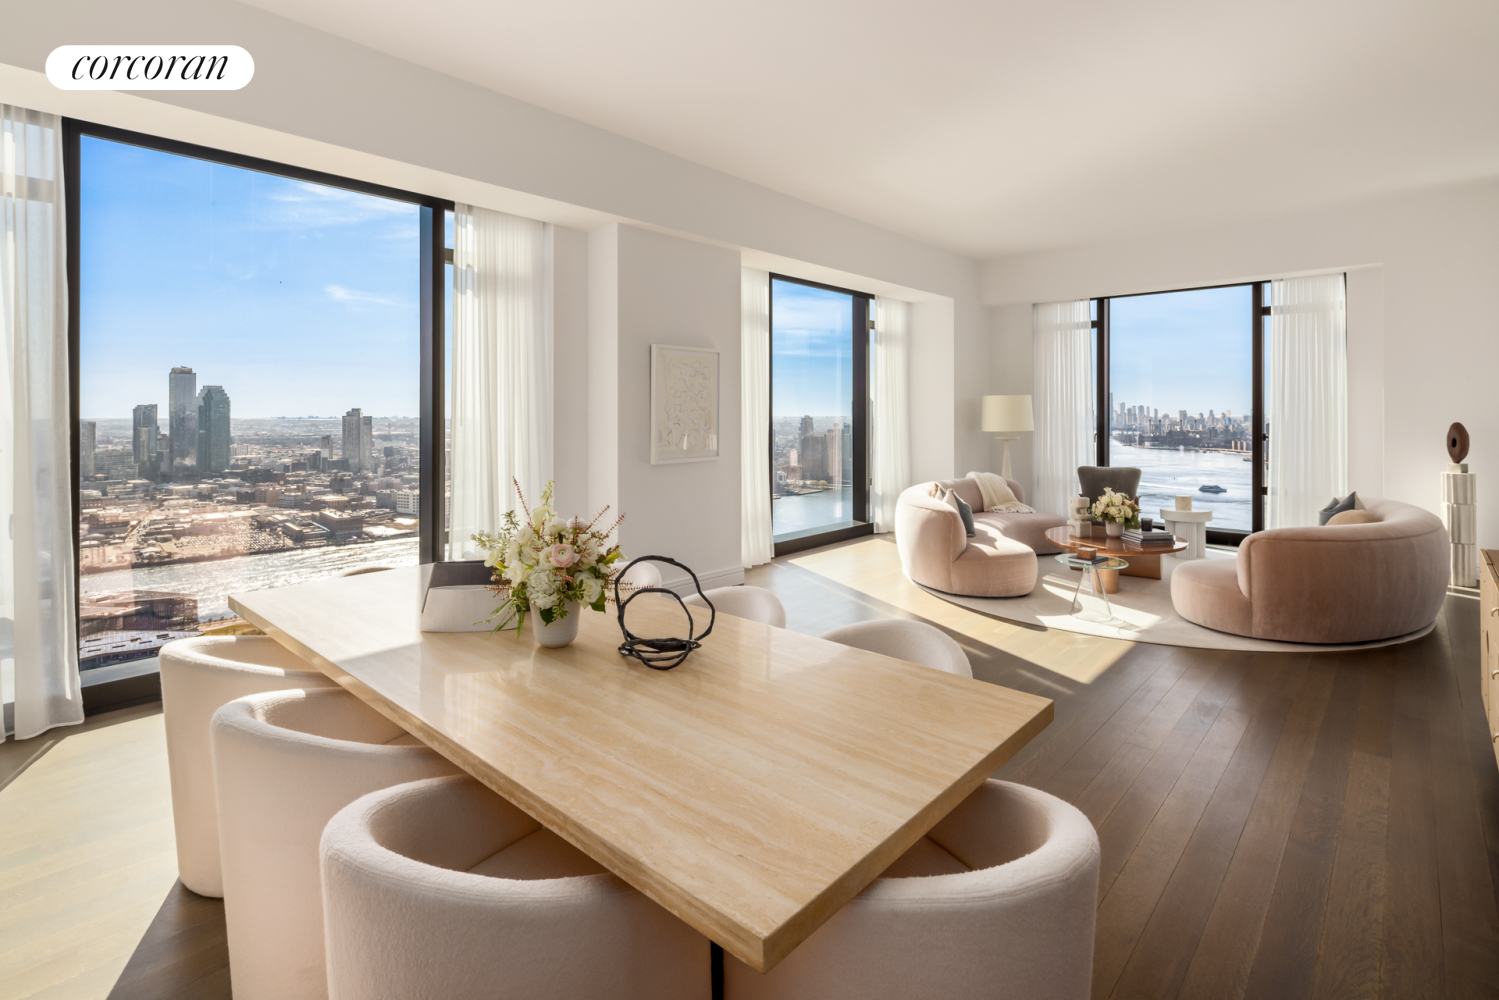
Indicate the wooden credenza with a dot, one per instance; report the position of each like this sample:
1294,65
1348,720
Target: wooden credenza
1488,592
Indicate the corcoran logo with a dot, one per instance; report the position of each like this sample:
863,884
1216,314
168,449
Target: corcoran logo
149,67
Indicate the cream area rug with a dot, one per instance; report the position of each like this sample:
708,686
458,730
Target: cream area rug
1140,612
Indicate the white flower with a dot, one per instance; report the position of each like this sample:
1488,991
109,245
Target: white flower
592,587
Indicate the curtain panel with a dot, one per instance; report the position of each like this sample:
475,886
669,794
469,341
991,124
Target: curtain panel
889,411
38,600
1063,372
501,408
1306,398
756,542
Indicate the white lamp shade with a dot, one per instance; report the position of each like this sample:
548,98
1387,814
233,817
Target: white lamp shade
1005,414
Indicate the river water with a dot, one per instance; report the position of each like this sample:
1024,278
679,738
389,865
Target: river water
1164,473
212,582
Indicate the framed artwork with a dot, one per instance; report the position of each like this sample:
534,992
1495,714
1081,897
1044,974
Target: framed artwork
684,404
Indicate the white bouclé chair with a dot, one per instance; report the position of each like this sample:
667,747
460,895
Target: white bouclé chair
641,576
998,900
914,642
441,888
197,676
284,763
755,603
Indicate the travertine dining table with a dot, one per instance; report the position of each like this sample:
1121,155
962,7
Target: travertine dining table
752,791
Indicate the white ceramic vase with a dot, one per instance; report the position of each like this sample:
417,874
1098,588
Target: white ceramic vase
561,631
1114,529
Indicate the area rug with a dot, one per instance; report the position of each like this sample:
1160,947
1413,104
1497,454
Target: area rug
1141,612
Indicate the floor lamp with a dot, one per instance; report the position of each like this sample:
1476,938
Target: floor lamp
1007,415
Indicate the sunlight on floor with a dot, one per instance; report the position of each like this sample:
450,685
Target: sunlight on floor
87,853
872,567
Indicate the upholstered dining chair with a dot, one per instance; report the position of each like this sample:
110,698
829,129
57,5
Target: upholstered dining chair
642,575
755,603
284,763
915,642
197,676
998,899
1119,478
440,888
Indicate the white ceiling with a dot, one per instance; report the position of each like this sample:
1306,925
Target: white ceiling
1001,126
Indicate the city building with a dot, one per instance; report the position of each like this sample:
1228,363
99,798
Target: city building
182,414
88,433
359,441
213,430
144,433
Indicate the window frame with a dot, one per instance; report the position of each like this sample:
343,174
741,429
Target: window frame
863,525
432,258
1259,437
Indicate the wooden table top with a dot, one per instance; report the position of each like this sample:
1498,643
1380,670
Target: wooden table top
1064,537
752,791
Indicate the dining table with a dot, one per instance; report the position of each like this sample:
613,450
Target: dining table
752,791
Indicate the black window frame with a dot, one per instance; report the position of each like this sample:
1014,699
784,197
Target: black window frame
1259,437
862,524
432,259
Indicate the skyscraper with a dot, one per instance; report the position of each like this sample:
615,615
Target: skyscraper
213,429
182,414
143,435
359,441
87,436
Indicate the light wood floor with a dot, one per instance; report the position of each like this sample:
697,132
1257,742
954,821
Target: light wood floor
1273,825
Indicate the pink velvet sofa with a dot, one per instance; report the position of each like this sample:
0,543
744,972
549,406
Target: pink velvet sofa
998,561
1339,583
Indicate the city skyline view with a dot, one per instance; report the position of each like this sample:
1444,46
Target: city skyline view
219,308
811,407
288,282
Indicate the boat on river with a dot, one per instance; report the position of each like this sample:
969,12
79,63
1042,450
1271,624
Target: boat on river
1211,489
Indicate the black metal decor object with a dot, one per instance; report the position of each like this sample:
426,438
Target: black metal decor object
661,654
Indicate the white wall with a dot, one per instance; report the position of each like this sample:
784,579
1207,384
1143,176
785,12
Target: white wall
665,290
1422,331
570,376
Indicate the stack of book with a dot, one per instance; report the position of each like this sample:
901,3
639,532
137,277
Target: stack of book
1153,537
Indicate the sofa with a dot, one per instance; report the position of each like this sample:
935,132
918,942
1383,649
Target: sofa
998,561
1339,583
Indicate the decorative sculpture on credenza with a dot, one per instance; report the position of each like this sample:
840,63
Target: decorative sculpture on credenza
1460,509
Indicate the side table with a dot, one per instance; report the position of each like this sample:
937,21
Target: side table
1191,526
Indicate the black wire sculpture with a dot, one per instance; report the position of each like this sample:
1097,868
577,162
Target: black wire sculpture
661,654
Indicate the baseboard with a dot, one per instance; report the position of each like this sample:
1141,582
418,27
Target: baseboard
673,579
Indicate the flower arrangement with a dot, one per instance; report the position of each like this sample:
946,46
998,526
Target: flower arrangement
1117,508
549,563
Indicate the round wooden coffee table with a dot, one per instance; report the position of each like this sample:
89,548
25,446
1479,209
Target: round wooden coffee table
1144,560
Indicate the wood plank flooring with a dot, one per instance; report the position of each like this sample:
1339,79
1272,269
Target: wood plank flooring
1272,825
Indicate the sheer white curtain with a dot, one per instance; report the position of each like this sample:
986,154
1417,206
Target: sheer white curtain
38,604
502,370
756,542
889,411
1306,398
1063,391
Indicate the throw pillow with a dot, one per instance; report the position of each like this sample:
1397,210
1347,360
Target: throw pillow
1337,507
964,511
1353,517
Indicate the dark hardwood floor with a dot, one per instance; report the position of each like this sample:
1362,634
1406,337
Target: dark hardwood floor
1273,825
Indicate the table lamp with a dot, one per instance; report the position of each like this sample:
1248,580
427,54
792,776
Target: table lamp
1007,415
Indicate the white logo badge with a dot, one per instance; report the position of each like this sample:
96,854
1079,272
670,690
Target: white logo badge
149,67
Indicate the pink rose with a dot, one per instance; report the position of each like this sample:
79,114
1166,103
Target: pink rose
562,555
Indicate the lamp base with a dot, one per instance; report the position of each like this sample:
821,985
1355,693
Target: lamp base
1005,466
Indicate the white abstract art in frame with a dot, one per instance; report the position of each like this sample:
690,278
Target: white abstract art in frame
684,404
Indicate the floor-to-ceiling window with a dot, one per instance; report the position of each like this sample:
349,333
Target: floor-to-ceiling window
818,356
249,392
1178,398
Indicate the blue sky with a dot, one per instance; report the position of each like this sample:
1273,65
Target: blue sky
299,299
1182,350
811,352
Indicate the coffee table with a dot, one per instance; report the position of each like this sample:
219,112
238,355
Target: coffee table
1143,560
1101,574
